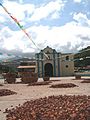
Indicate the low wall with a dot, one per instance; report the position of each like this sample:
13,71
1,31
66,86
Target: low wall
82,73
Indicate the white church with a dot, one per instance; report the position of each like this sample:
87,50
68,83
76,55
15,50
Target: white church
57,65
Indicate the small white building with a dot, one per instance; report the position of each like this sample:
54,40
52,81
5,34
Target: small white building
57,65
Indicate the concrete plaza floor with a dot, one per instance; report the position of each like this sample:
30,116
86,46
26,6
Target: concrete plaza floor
25,92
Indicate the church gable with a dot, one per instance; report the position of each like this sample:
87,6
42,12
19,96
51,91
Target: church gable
49,50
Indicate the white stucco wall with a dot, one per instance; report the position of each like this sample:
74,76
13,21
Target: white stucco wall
60,62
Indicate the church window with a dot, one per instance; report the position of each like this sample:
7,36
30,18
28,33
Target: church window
49,56
47,52
66,66
67,57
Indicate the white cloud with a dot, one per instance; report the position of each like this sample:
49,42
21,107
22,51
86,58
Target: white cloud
61,35
75,33
79,16
21,1
17,10
70,34
81,19
45,10
77,1
2,19
29,12
55,15
14,40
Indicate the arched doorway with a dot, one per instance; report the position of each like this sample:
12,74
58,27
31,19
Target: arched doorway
48,70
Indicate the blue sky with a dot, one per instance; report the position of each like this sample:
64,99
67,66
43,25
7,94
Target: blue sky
61,24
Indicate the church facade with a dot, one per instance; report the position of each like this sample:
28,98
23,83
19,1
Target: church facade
51,63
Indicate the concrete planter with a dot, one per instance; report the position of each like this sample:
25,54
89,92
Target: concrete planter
46,78
77,76
10,78
28,77
29,80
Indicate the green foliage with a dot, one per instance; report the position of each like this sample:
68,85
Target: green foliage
12,69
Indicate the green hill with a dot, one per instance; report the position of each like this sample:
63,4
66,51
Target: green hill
82,58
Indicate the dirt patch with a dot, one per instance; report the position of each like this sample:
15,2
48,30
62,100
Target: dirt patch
5,92
55,80
53,108
64,85
78,79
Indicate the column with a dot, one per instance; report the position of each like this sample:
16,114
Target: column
54,63
37,56
58,61
42,65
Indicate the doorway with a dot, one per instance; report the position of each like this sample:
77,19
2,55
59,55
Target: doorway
48,70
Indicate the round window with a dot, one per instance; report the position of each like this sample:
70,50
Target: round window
66,66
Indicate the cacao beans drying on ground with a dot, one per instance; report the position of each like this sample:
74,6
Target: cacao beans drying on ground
53,108
1,84
39,83
85,81
5,92
64,85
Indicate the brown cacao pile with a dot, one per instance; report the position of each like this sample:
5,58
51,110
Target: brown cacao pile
53,108
64,85
1,84
5,92
85,81
39,83
86,78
